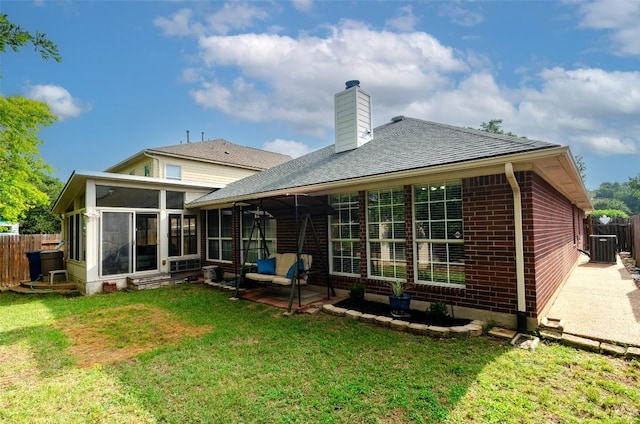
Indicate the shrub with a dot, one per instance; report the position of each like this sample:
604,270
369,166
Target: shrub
437,312
356,293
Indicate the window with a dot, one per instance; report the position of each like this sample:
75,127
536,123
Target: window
252,220
219,235
386,233
183,234
175,200
76,236
344,235
173,172
125,197
147,170
439,244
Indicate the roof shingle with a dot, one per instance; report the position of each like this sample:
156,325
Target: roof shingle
401,145
223,151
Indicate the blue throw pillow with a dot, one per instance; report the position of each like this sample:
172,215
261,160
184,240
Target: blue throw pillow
292,268
267,266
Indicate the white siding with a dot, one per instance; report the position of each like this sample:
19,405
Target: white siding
352,119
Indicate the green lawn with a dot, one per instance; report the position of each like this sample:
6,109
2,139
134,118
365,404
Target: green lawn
186,354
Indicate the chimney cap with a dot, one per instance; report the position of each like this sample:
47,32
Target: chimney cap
351,83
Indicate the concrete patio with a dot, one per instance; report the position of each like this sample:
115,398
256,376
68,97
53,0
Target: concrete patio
600,302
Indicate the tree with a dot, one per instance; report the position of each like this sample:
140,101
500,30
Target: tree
627,193
494,126
13,36
21,168
582,167
39,220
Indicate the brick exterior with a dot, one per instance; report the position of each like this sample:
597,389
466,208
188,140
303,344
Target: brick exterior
557,233
552,230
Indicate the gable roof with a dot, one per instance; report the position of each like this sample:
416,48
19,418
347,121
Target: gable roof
402,145
217,151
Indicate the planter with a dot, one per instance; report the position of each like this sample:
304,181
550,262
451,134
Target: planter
399,304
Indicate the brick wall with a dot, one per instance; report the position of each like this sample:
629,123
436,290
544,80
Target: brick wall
489,244
556,226
552,229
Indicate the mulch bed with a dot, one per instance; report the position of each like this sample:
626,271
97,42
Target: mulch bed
377,308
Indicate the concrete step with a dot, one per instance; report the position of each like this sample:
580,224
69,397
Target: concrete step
152,281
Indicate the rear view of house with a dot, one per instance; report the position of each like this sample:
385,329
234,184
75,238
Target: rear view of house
488,223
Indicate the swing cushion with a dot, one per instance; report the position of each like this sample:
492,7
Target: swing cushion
267,266
283,263
292,268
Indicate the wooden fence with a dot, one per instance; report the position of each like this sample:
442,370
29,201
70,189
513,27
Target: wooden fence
635,245
14,264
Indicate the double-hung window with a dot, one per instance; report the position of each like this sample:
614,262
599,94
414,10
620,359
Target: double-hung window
344,234
438,234
386,233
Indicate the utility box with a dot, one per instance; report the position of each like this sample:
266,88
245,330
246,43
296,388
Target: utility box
51,260
603,248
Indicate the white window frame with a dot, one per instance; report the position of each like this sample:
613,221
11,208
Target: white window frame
392,242
450,229
345,204
219,237
173,172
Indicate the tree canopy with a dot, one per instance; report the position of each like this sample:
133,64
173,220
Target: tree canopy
621,196
11,35
22,170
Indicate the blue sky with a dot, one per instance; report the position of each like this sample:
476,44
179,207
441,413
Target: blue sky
140,74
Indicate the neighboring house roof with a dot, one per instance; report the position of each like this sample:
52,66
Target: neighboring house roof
218,151
405,144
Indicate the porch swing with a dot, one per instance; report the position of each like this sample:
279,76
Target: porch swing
295,268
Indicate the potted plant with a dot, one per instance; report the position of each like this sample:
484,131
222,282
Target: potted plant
399,301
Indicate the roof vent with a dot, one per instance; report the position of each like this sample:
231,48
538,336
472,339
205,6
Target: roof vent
352,83
397,118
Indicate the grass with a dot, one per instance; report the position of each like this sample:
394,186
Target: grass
186,354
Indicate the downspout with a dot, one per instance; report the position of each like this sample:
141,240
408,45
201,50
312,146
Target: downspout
157,161
517,219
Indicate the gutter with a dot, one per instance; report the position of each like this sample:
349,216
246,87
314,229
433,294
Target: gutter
517,218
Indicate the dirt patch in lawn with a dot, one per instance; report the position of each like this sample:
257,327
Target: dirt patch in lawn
117,334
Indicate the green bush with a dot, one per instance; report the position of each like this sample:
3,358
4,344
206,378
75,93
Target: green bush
437,312
611,213
356,293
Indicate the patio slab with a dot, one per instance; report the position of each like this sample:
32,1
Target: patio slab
600,302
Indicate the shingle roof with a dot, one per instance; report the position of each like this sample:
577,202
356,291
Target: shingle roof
401,145
223,151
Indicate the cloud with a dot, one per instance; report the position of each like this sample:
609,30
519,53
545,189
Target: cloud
620,18
303,5
594,109
464,16
287,147
59,100
291,79
284,78
178,24
234,15
404,21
